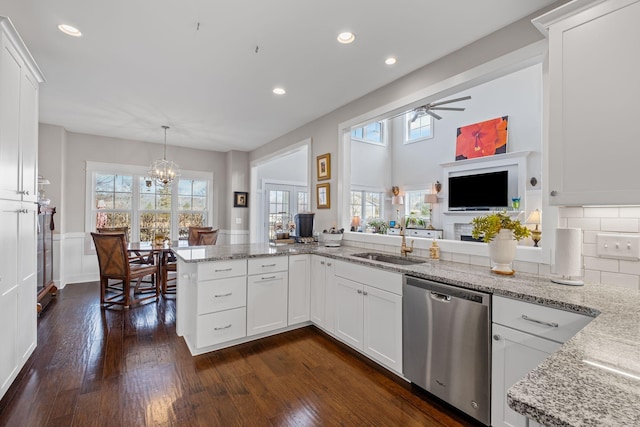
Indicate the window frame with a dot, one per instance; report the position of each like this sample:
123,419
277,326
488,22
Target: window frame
363,202
137,172
383,134
407,119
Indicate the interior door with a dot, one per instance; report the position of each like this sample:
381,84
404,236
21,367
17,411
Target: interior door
281,204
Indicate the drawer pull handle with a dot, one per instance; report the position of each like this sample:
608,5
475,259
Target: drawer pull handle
224,327
542,322
268,278
223,295
226,269
268,265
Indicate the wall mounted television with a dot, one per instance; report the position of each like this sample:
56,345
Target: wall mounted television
484,191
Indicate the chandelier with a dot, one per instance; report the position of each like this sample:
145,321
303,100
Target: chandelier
162,171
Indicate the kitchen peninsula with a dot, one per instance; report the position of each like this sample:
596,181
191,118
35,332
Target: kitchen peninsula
592,380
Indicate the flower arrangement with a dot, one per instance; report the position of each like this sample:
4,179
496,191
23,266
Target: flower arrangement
488,226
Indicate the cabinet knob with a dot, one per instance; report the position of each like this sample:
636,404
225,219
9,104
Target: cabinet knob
553,193
321,262
328,264
365,293
359,291
497,337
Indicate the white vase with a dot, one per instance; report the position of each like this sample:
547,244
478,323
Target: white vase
502,251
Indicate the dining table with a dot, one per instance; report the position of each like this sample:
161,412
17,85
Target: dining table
161,253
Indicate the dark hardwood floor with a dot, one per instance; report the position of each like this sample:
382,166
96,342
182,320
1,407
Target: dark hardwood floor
96,367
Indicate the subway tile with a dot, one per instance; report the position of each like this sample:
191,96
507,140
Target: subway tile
625,225
589,249
481,261
526,267
562,222
602,264
461,258
629,281
584,223
446,256
544,270
591,276
571,212
630,212
589,236
601,212
629,267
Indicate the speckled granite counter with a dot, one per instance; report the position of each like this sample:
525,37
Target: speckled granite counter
577,385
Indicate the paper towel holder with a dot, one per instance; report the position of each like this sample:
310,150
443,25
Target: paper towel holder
568,256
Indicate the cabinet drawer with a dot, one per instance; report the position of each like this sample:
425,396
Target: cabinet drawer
217,295
550,323
430,234
381,279
222,269
268,264
216,328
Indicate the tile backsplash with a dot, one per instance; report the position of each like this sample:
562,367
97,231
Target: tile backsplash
594,220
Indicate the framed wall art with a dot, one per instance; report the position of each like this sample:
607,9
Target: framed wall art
240,199
482,139
323,196
324,167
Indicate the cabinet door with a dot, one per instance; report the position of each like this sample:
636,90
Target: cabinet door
349,312
383,327
27,294
299,288
594,91
29,138
266,302
514,354
10,77
9,288
330,295
317,303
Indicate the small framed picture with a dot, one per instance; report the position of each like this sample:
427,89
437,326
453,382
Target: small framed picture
240,199
324,167
323,196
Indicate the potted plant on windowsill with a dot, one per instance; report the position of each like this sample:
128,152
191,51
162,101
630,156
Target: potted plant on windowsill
501,232
414,222
379,226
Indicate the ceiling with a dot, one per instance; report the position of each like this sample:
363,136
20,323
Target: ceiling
207,68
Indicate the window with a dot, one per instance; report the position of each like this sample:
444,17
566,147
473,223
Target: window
415,205
421,128
120,195
113,200
371,133
366,204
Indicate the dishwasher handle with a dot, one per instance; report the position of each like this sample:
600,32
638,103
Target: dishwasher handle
440,297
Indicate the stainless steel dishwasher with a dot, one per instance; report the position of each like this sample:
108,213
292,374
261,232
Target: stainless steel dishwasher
446,343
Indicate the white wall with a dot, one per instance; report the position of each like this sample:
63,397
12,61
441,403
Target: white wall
290,168
371,166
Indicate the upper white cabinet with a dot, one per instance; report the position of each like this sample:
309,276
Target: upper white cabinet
19,79
593,102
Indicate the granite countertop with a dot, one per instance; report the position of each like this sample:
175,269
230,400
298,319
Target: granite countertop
593,380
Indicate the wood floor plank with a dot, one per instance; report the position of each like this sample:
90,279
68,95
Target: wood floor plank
115,367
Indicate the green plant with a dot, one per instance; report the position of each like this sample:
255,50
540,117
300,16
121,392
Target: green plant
488,226
380,226
414,222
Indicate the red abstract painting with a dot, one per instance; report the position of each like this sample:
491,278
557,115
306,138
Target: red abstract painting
482,139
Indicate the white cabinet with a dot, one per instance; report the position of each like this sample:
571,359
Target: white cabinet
322,291
267,292
299,288
19,79
593,95
524,335
417,232
368,312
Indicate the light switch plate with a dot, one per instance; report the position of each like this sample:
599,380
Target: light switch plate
238,220
618,246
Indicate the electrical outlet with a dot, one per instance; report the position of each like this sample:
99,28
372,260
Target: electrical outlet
238,220
619,246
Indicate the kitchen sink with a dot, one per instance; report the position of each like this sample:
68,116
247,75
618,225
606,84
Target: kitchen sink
391,259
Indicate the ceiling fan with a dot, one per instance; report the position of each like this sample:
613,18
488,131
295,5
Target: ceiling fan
428,108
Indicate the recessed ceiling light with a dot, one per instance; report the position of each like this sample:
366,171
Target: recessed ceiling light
69,30
390,60
346,37
279,91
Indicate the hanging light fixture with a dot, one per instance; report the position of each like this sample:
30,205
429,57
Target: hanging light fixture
162,171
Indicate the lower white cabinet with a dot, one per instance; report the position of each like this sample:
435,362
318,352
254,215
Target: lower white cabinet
299,288
368,317
524,335
267,307
322,292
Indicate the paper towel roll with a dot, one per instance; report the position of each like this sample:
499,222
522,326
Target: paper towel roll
568,254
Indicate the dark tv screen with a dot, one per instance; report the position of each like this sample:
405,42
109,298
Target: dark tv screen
480,191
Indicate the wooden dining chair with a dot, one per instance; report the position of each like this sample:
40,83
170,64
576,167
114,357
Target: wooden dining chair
207,237
193,234
169,280
115,264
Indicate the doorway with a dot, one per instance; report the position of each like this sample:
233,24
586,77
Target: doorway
282,203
